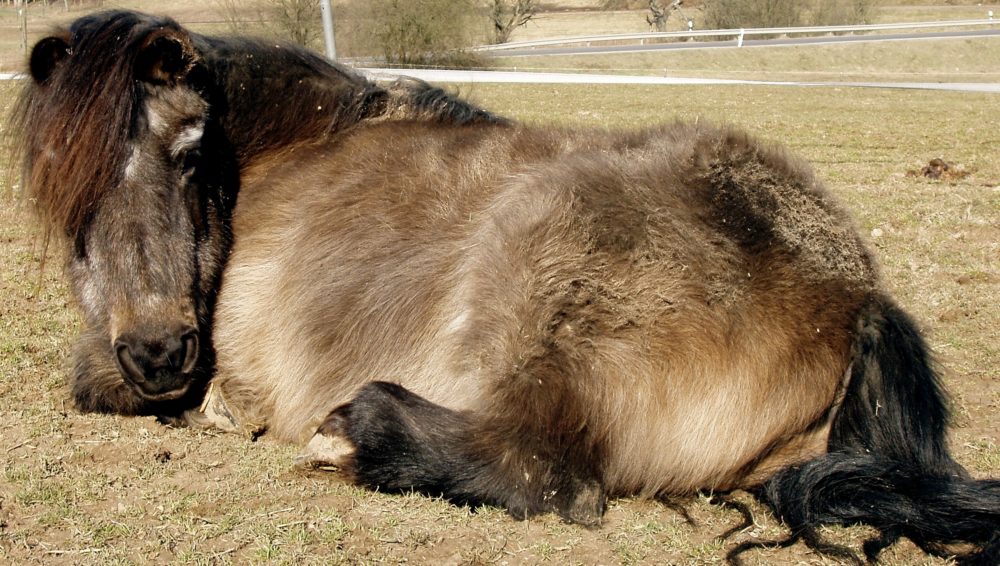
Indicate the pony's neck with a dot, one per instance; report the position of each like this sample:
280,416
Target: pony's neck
267,96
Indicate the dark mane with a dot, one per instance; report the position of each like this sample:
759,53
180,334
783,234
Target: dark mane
263,97
305,97
75,127
267,96
416,99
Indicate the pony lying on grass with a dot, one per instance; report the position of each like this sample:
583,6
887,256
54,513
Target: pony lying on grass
448,302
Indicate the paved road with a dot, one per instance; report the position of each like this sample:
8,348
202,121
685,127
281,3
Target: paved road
472,77
604,49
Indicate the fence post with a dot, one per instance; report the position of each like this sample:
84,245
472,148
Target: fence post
22,21
739,40
327,13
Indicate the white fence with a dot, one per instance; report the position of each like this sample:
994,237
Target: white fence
739,34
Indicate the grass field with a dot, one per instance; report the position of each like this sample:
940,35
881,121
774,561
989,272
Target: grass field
955,60
93,489
585,19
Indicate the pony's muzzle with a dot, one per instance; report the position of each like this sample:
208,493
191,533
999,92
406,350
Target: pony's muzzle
158,368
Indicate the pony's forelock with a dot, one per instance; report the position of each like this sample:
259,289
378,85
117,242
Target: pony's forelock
76,125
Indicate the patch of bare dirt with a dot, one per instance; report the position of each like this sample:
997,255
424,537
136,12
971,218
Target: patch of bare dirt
939,169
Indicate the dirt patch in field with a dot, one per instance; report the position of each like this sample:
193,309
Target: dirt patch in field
939,169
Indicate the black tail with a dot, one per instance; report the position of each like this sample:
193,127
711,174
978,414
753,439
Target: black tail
888,464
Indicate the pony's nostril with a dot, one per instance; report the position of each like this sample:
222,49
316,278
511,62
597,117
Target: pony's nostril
157,365
181,351
189,344
126,363
174,352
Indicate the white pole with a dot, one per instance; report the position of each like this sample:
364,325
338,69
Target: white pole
22,17
327,13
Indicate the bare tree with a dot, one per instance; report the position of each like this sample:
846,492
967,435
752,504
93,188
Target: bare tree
732,14
293,20
239,19
728,14
508,15
420,32
657,19
298,20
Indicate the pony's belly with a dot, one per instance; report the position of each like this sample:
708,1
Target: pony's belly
707,445
712,423
291,395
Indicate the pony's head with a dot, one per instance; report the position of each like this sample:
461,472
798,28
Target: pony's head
133,134
114,125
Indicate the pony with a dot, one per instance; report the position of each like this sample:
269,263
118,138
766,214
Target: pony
434,298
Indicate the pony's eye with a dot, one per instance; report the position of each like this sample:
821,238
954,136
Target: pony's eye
80,245
191,159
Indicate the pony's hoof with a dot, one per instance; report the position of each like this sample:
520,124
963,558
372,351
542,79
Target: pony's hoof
329,452
585,505
330,448
216,413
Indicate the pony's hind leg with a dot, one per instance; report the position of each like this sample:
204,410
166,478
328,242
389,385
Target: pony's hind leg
400,442
888,464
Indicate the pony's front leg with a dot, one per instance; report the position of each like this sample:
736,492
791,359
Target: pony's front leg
390,439
216,412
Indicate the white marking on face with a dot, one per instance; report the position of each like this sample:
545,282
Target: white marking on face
157,124
132,164
188,138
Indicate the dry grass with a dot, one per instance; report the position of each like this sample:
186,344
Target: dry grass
960,60
932,11
93,489
583,18
954,60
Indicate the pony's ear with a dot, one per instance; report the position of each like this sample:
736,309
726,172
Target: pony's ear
166,58
45,56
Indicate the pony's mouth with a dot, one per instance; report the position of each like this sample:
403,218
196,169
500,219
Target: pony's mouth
160,390
153,384
158,371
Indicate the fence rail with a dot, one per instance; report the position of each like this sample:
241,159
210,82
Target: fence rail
736,33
